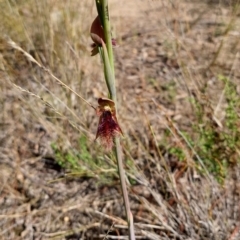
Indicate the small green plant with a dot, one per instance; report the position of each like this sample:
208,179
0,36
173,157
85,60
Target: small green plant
84,153
83,162
177,152
232,134
73,159
62,158
217,147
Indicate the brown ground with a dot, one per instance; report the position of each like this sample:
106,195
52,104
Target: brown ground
167,53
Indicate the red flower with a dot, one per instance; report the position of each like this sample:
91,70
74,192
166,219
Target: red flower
108,126
97,35
97,32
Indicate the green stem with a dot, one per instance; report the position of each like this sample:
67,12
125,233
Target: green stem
107,33
108,60
102,8
109,77
118,153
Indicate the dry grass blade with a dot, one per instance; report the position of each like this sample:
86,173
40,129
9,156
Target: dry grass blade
47,104
30,58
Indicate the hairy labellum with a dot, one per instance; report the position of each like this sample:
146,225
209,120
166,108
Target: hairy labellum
108,126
